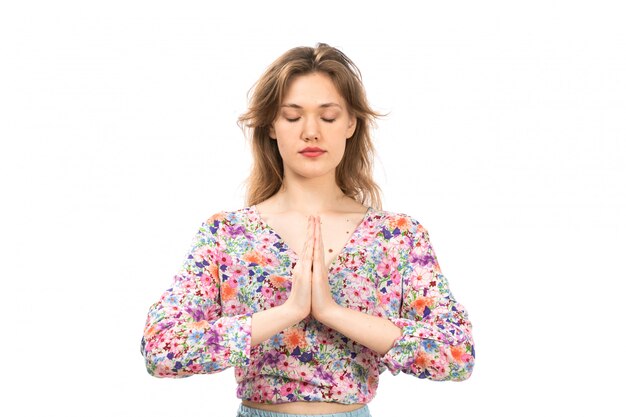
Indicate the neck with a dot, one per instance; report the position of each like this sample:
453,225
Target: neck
311,199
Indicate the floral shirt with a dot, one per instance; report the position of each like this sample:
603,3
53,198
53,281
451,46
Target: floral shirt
238,265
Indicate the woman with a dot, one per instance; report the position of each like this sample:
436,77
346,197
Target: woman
309,332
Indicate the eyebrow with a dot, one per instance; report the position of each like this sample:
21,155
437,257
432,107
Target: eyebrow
324,105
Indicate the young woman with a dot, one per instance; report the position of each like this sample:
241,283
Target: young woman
309,332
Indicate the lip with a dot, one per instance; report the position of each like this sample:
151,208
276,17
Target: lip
312,154
312,150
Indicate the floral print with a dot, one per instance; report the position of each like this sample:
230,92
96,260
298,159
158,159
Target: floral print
238,265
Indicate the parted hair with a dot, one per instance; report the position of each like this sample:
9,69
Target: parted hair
354,174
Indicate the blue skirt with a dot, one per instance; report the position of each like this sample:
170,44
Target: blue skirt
245,411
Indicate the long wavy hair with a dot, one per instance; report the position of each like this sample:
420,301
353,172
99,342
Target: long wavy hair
353,175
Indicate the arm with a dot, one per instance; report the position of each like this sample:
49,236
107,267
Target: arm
434,339
376,333
185,332
267,323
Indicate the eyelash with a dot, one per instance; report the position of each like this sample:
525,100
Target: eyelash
296,119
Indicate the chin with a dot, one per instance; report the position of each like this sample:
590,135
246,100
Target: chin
314,173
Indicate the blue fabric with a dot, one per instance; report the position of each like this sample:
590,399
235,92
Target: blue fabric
245,411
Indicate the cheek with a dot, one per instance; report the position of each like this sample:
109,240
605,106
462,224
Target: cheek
339,128
338,149
283,147
284,129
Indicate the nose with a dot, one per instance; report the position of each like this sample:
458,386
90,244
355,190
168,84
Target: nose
310,130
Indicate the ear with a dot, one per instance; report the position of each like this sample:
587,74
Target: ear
351,126
272,132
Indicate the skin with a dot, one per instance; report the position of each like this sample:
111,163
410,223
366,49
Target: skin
314,113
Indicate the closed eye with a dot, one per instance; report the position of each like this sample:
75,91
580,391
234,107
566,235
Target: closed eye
293,120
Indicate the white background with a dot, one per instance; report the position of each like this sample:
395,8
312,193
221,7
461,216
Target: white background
505,139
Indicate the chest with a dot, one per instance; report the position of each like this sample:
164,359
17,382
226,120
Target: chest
256,271
336,232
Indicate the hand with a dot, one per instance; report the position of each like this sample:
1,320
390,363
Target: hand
322,301
299,300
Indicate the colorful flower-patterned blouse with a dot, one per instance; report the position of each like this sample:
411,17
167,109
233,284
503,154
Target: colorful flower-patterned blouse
238,265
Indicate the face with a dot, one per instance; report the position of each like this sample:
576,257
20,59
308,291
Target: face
312,114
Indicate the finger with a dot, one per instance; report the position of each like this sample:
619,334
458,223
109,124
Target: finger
305,248
307,262
317,240
308,229
318,259
321,244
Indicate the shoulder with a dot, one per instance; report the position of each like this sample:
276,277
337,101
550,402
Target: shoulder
228,222
404,234
217,227
398,223
227,217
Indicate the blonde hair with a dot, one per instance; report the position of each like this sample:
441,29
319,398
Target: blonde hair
353,175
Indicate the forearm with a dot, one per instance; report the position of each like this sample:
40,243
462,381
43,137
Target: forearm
376,333
267,323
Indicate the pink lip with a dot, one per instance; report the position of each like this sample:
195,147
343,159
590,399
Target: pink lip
312,154
312,149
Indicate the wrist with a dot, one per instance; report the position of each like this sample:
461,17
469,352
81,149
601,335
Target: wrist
290,310
330,315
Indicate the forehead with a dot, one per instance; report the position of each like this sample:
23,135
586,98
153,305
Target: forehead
312,90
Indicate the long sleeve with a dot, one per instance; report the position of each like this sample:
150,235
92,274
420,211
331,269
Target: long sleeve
185,332
436,341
